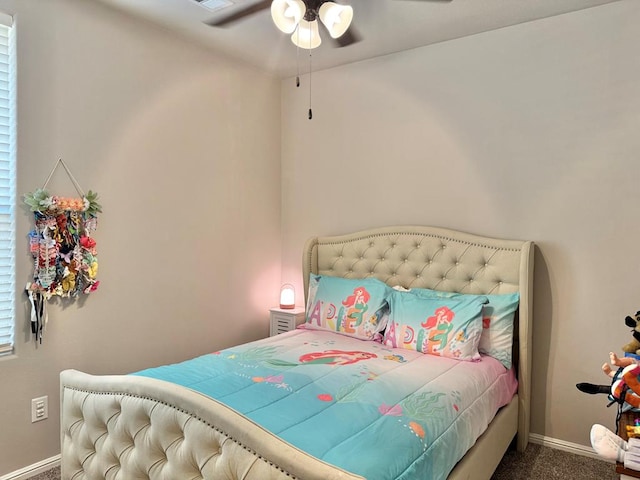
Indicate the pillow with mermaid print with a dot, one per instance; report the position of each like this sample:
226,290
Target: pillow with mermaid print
348,306
447,327
497,321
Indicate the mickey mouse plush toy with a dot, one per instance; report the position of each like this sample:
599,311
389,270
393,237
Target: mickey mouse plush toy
634,345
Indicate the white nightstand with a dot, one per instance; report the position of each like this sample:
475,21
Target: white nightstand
284,320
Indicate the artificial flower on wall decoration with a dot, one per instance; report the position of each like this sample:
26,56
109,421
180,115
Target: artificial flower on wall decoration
62,247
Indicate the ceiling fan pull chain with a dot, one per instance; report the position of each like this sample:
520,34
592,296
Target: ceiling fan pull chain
298,61
310,71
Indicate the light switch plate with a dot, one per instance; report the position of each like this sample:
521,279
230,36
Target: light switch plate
39,409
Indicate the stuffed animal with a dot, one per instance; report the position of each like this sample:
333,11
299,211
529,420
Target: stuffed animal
634,345
621,364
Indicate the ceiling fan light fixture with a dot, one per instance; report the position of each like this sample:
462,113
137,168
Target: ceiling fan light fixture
336,18
307,35
286,14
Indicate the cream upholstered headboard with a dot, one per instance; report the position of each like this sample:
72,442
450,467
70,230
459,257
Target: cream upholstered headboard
439,259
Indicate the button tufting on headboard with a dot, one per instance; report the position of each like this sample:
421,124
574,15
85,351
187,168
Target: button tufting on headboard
418,259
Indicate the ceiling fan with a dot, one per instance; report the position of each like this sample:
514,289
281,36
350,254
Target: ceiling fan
300,18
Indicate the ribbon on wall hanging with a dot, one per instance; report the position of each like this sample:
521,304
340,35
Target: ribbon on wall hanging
62,246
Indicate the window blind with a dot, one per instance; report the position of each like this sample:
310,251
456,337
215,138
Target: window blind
7,183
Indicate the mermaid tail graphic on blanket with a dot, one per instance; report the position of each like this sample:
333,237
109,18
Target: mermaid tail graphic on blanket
327,357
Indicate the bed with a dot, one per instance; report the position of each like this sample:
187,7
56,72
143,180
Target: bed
136,426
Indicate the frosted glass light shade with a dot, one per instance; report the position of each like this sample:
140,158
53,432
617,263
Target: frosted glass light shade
287,296
307,35
336,18
286,14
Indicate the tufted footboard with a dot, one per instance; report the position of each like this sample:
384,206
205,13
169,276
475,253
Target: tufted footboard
121,427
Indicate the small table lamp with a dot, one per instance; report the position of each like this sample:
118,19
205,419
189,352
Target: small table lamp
287,296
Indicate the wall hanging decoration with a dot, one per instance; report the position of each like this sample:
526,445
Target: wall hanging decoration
62,246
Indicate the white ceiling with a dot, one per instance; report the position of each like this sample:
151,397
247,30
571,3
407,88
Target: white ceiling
385,26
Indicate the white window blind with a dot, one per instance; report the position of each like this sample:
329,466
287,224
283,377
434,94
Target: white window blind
7,183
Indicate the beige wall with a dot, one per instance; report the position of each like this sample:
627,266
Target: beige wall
528,132
183,148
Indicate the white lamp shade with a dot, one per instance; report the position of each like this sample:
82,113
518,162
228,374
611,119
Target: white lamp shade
287,296
286,14
307,35
336,18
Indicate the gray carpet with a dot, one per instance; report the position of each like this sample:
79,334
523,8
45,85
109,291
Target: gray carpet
544,463
536,463
53,474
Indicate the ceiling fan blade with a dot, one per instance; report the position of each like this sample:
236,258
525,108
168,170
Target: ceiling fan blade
233,17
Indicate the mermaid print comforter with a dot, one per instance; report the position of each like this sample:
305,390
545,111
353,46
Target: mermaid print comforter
376,411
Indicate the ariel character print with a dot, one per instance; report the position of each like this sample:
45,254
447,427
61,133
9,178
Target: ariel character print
336,357
327,357
439,326
353,309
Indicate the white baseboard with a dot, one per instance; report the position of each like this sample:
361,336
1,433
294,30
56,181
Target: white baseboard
33,470
563,445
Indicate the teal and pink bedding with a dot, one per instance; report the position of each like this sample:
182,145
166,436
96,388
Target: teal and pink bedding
380,412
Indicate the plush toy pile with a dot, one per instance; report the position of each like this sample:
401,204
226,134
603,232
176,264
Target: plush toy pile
625,391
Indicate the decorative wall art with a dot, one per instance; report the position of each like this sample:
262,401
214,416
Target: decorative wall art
62,246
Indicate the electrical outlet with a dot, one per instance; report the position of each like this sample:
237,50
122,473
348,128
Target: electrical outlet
39,409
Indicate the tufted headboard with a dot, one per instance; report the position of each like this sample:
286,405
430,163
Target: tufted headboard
439,259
